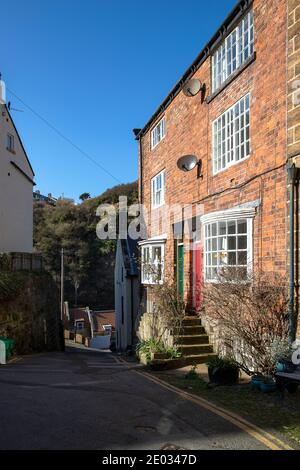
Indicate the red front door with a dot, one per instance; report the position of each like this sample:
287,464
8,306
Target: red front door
197,275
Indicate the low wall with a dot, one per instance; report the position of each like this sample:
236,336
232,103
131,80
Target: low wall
29,311
150,326
218,338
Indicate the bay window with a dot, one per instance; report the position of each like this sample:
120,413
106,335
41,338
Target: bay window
152,263
227,244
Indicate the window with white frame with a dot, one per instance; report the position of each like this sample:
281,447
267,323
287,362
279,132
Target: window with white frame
228,243
233,52
158,189
10,142
158,133
231,135
152,263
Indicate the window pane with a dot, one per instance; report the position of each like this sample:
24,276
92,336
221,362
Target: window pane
231,226
157,253
242,226
231,243
222,228
214,229
222,243
242,242
214,244
242,257
232,259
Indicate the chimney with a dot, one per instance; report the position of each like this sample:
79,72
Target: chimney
2,91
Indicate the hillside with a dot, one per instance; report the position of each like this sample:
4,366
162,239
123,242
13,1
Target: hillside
89,262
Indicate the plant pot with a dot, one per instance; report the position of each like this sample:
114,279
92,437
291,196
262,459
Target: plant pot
223,376
256,380
156,355
268,387
285,366
159,364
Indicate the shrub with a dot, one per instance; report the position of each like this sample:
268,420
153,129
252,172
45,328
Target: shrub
153,345
253,315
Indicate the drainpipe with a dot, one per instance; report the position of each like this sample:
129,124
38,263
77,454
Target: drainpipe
141,169
293,175
138,136
132,310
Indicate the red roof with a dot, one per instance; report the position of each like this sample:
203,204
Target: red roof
105,317
101,317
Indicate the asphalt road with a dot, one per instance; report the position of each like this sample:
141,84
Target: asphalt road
86,400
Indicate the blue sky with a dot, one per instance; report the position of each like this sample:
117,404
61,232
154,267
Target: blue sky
95,69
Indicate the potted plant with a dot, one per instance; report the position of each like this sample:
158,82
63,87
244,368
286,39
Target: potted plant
268,384
281,355
222,371
256,381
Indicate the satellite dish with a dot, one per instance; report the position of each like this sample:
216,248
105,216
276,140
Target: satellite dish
192,87
187,162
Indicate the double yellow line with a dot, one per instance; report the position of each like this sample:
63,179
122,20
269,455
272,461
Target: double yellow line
262,436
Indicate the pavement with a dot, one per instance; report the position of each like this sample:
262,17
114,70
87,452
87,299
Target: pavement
86,399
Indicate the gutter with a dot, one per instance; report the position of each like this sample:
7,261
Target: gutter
293,175
138,137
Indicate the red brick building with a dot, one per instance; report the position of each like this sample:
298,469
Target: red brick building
236,126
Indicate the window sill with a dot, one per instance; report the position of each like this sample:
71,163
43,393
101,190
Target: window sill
232,77
157,207
11,151
149,284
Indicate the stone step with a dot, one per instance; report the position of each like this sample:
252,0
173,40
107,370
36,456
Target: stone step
192,339
190,330
191,321
198,358
192,359
195,349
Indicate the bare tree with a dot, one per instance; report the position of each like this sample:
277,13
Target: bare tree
252,314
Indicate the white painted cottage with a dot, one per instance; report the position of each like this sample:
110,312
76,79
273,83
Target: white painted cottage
126,292
16,184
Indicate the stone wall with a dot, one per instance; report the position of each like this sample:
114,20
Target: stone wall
30,312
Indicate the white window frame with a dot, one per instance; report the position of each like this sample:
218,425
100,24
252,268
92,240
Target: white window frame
158,133
148,278
231,140
233,52
79,325
229,215
158,189
10,142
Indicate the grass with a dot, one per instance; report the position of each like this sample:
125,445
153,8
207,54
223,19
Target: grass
269,411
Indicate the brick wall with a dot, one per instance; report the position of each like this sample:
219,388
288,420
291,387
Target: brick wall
262,174
293,78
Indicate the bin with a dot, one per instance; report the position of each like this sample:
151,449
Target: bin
9,344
